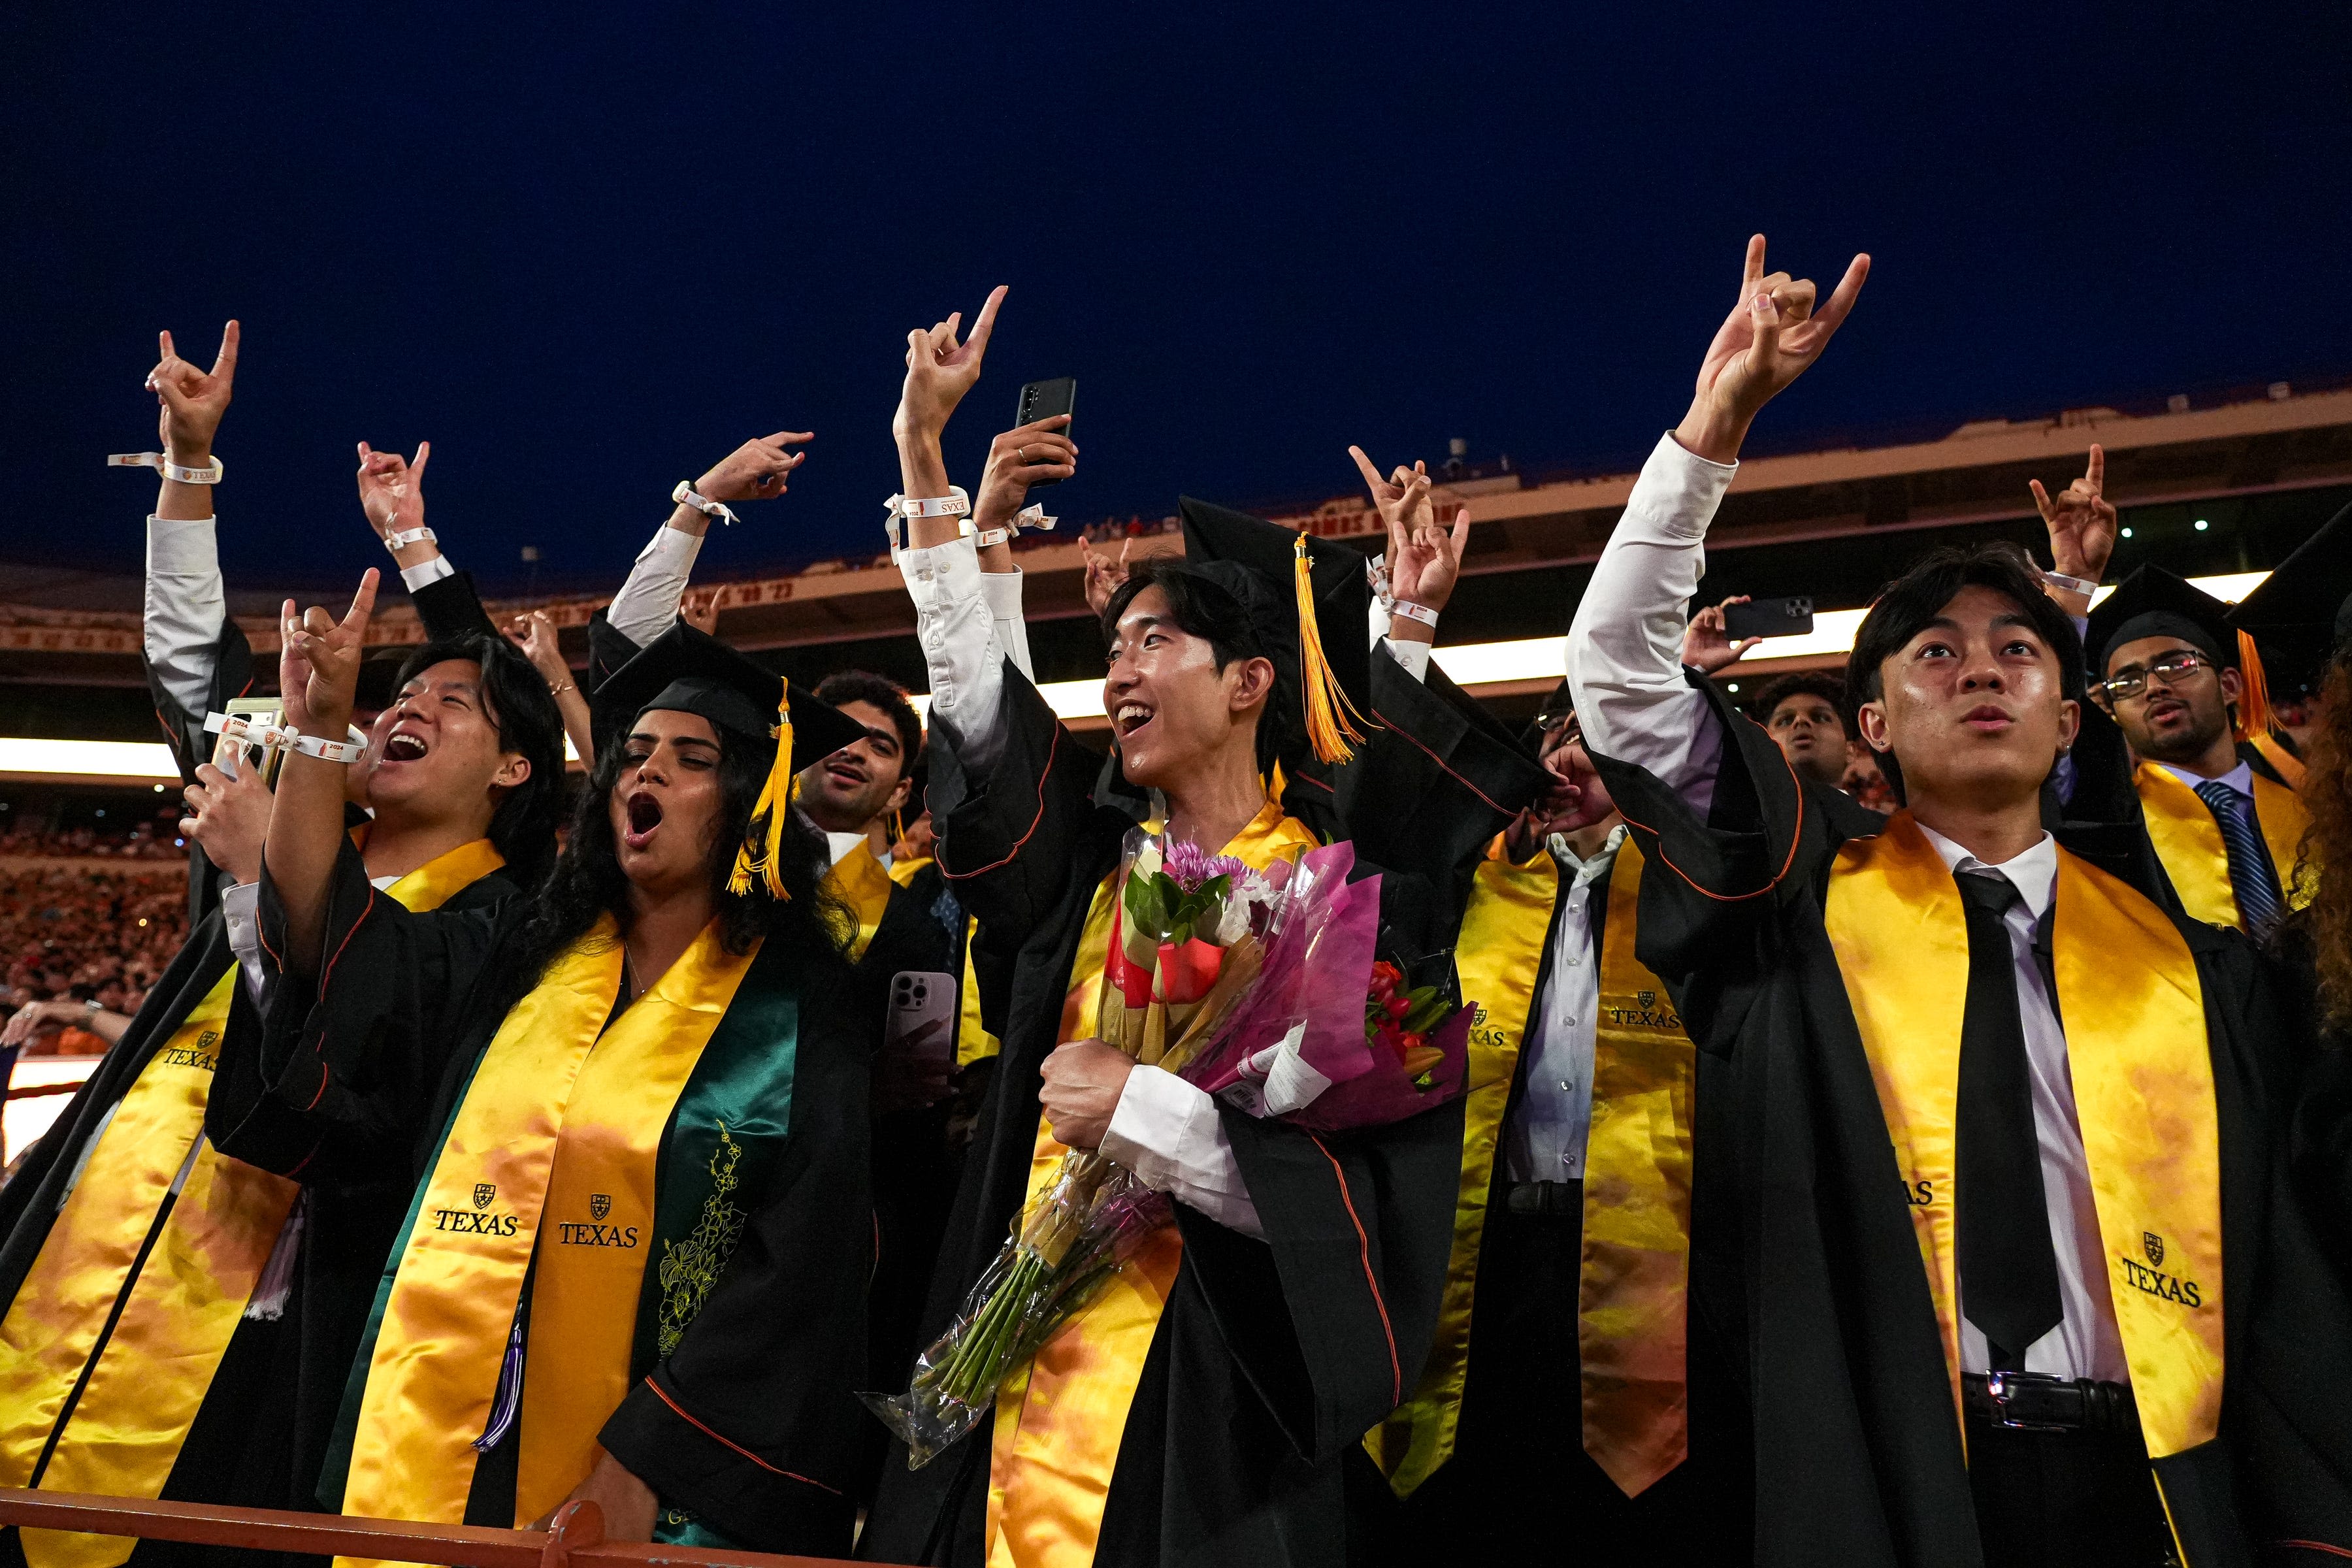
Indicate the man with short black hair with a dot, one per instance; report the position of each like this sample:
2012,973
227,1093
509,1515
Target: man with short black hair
2226,825
1999,1124
1803,712
860,789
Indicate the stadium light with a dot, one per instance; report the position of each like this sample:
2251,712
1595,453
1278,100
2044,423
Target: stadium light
1472,665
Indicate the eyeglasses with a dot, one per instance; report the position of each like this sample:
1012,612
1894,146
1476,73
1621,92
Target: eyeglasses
1549,724
2173,668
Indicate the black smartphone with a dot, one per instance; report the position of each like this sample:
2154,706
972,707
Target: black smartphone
1043,400
1791,617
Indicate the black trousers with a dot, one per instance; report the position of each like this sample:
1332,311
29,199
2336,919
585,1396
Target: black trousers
2065,1500
1521,1489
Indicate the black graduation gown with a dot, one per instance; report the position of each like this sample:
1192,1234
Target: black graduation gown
1271,1358
1859,1461
351,1090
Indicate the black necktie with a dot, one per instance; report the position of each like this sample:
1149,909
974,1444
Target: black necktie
2250,877
2009,1271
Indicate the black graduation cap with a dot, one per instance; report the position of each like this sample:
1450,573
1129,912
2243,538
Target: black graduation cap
1292,588
2155,603
2302,612
689,671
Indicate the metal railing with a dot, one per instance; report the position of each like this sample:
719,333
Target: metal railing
575,1539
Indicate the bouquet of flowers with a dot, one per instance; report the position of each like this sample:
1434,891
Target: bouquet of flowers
1257,986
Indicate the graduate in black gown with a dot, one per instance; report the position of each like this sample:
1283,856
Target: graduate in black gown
167,1304
2023,1279
634,1111
1202,1407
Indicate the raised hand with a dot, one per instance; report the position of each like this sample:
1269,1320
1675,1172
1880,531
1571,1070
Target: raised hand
2080,520
1424,555
228,813
700,611
1772,336
1104,576
1021,456
1707,643
190,402
535,634
319,669
391,489
940,370
756,469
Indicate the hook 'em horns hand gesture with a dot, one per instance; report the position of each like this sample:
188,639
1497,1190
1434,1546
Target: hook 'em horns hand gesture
1772,336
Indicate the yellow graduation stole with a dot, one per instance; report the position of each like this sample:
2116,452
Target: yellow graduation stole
2136,1049
556,1143
858,879
126,1430
2188,842
973,1042
1059,1421
904,872
1634,1276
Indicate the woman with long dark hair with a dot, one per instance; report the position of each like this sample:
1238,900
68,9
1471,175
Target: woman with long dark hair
634,1109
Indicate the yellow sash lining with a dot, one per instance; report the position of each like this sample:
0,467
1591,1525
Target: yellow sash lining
2188,842
1633,1284
859,880
1497,956
1059,1423
134,1414
2137,1052
514,1146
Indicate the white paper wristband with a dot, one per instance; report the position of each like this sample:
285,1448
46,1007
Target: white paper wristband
687,495
396,542
168,469
1408,610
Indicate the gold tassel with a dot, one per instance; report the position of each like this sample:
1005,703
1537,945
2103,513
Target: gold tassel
762,853
1328,731
2255,717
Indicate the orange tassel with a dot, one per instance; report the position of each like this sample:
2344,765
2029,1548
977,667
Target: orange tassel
762,853
1329,712
2256,718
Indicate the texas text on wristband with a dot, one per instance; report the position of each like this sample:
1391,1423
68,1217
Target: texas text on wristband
1027,518
955,503
168,469
1407,610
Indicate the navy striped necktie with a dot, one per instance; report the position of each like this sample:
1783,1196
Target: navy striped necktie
2251,875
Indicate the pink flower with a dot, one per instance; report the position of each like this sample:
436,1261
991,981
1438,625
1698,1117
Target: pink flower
1190,867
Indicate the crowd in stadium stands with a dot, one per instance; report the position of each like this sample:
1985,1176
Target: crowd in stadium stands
74,934
147,841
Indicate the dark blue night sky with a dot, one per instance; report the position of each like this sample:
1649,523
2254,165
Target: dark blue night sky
586,254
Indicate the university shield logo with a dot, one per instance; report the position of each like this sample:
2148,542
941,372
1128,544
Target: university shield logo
1648,997
483,1193
600,1204
2155,1246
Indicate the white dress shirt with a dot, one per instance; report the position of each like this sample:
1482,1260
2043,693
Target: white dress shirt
1625,667
647,605
2240,778
186,608
2086,1342
1552,1121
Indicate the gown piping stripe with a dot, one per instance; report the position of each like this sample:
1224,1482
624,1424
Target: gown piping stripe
1364,1247
1395,729
326,978
1796,836
724,1441
1009,855
2314,1546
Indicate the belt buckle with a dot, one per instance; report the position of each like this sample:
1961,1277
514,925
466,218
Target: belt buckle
1999,1386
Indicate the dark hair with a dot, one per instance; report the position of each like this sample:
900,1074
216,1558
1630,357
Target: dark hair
588,880
1207,609
863,686
516,699
1909,603
1821,683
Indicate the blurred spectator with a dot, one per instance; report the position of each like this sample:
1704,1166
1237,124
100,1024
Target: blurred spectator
153,840
72,935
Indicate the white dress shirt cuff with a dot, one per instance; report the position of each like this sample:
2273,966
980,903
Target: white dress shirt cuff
1168,1132
239,914
956,626
1002,591
186,607
1414,656
647,605
425,574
